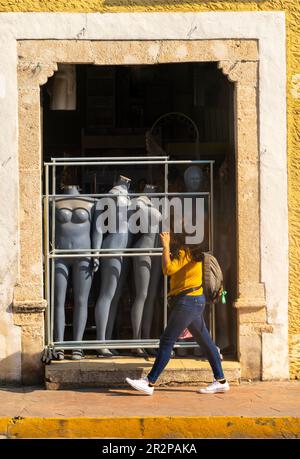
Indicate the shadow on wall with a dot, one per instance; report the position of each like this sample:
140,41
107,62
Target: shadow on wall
32,370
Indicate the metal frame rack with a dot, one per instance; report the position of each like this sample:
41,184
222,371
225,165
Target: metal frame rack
51,253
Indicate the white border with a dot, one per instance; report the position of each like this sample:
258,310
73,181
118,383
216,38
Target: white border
269,29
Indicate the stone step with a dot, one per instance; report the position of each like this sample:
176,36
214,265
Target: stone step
111,372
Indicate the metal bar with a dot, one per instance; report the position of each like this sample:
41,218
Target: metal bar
213,311
95,255
110,195
46,255
87,159
209,222
113,163
105,158
126,344
127,249
213,322
53,207
52,299
166,170
113,196
212,204
165,301
108,163
50,256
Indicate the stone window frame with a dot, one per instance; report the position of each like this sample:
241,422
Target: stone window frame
242,60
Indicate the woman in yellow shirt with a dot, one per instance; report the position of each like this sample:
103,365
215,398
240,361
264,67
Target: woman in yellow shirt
186,291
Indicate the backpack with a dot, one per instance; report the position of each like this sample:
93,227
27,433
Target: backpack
212,281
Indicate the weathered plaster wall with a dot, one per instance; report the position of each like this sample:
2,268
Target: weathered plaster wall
292,10
10,349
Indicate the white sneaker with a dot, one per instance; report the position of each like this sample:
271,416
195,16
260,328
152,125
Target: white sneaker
215,387
142,385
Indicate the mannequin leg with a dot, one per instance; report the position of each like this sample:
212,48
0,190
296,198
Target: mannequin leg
61,281
156,274
110,274
142,269
82,281
115,302
152,291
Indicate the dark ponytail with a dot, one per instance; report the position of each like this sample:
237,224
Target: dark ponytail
195,252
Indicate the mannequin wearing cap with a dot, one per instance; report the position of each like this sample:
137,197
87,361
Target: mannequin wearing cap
146,270
110,267
73,230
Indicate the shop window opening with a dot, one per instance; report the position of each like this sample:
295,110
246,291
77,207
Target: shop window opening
137,132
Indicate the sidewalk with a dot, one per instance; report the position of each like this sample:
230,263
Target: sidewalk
249,410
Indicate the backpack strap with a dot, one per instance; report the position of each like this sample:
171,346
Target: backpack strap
185,292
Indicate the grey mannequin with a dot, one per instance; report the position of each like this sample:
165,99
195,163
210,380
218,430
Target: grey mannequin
225,246
73,228
142,268
155,276
222,247
116,299
192,179
110,268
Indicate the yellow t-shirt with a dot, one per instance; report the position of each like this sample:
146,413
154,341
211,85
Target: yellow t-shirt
184,274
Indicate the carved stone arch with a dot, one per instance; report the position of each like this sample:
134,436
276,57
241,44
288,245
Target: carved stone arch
36,73
227,68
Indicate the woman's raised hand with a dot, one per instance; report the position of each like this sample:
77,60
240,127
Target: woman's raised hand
165,239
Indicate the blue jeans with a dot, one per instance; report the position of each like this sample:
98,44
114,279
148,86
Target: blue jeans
187,313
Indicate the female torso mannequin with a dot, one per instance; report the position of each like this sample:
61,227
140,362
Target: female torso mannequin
145,286
73,225
110,267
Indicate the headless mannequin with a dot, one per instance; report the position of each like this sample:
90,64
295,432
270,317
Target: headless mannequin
73,224
110,268
145,287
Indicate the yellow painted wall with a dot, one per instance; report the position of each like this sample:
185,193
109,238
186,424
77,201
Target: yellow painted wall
292,9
